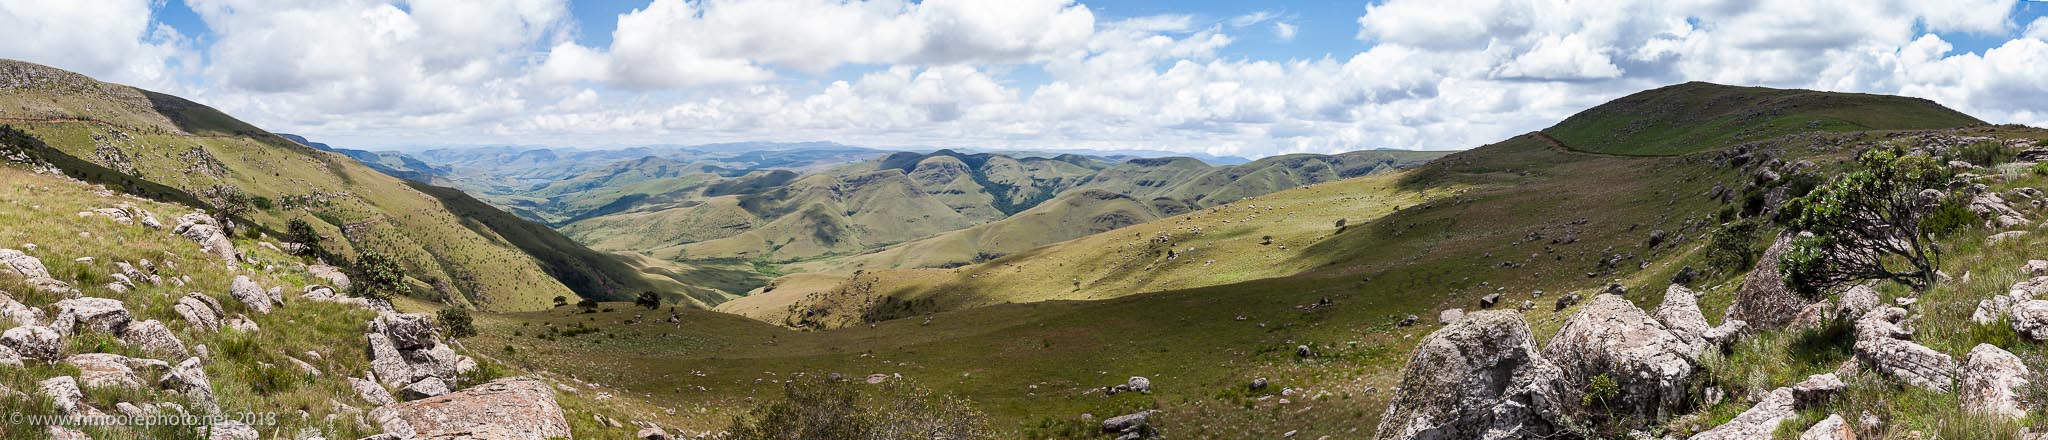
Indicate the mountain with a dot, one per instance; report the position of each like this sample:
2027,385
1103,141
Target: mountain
393,163
459,252
1699,116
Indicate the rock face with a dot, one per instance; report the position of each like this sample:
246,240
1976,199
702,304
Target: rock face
251,294
1611,337
1763,301
201,311
1992,380
32,269
1881,344
1478,378
1759,422
517,407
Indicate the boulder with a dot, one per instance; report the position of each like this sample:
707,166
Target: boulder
9,358
1857,301
153,337
230,429
371,392
200,311
89,314
1763,301
1680,313
250,294
651,433
31,269
1478,378
1832,428
1759,422
332,275
1997,307
1410,320
2030,319
34,342
64,394
1813,315
104,370
242,324
1140,384
1992,381
14,313
189,378
1487,302
424,388
515,407
200,229
2003,236
1566,301
1128,423
1816,390
2035,267
407,331
1881,344
1611,337
1451,316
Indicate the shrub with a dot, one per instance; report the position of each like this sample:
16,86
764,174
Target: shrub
561,301
1865,225
1985,153
1733,247
457,321
1599,391
588,305
1948,218
836,409
377,276
648,300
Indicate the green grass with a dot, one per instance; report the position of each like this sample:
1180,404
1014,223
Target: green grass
1696,116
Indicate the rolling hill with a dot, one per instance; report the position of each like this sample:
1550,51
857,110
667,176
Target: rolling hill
182,151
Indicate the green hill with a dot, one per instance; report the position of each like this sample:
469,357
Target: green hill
181,150
1699,116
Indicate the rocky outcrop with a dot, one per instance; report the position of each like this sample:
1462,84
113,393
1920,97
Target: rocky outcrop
31,269
332,275
250,294
1478,378
1881,343
1857,300
200,229
89,314
1992,380
405,350
1763,301
1759,422
371,392
153,337
1680,313
34,342
510,408
1611,337
189,379
200,311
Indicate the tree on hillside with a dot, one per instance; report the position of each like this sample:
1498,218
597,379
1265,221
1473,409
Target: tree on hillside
299,231
561,301
457,321
650,300
1865,225
229,203
378,276
588,305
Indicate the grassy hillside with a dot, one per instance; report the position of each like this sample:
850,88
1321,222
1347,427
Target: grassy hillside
1700,116
249,371
184,150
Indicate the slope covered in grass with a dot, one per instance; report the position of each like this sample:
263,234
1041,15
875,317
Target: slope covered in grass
1699,116
183,150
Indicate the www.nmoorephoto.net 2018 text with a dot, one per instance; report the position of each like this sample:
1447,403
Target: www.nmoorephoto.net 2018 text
195,420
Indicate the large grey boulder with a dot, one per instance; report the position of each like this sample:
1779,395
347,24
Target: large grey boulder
1763,301
1992,380
200,311
1610,337
200,229
408,331
1128,423
515,407
1832,428
1881,343
31,269
371,392
2030,319
14,313
1759,422
333,275
153,337
89,314
1857,300
1997,307
251,294
406,348
1480,377
104,370
230,429
189,378
1680,313
34,342
424,388
63,391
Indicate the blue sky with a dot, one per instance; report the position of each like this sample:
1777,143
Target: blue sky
1216,77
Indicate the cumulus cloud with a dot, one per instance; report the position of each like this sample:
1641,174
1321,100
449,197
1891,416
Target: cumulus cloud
122,43
1025,73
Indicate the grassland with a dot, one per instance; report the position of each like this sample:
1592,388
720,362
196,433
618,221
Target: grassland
1696,116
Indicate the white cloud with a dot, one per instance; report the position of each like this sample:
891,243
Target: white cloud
1284,31
1026,73
113,39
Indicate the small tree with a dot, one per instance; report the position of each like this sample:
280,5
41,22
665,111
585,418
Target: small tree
377,276
649,300
561,301
298,230
588,305
1865,225
228,203
1732,248
457,321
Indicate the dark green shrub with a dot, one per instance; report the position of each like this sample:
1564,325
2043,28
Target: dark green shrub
1733,247
377,276
457,322
1865,225
648,300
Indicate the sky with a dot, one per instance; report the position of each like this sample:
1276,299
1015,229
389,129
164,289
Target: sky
1200,76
